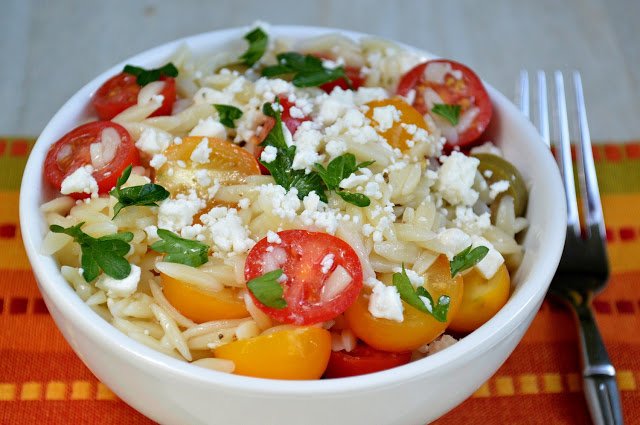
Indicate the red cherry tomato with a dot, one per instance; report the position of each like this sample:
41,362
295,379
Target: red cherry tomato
300,255
354,74
458,86
291,123
121,91
72,152
362,360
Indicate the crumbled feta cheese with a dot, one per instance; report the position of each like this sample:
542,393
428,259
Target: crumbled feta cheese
227,230
273,237
453,241
487,174
456,177
296,112
209,128
385,302
415,279
335,148
244,203
470,222
490,264
269,154
277,200
203,178
153,141
385,116
158,160
372,190
307,141
80,181
174,214
327,263
120,288
353,181
201,153
311,202
497,188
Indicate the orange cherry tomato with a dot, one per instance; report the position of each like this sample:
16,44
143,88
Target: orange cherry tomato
201,305
481,299
398,136
228,163
417,328
298,353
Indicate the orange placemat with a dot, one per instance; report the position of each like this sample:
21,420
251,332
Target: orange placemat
42,380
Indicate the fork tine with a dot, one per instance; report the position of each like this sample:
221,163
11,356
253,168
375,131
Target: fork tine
564,155
522,93
543,109
586,168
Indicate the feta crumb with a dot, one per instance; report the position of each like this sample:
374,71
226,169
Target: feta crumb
273,237
497,188
335,148
490,264
327,263
269,154
209,128
174,214
201,153
385,116
456,177
453,241
80,181
158,160
244,203
203,178
385,302
415,279
353,181
120,288
153,141
227,230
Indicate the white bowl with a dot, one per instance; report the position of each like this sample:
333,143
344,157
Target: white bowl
173,392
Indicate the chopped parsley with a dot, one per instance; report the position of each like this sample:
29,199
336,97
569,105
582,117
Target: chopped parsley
145,195
416,298
228,114
339,169
467,258
146,76
179,250
307,70
258,41
450,113
268,290
105,253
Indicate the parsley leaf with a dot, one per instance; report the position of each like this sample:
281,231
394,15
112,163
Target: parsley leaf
268,290
281,167
412,297
258,41
339,169
179,250
228,114
145,195
146,76
467,258
450,113
105,253
307,70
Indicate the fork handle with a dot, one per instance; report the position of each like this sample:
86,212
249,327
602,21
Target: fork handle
599,375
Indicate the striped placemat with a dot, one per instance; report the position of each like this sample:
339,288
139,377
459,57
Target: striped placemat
42,380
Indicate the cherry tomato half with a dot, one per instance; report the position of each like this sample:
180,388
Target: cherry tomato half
300,255
200,305
454,84
72,151
417,328
362,360
300,353
481,299
121,91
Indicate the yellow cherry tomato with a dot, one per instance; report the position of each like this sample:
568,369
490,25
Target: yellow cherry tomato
227,163
299,353
481,299
417,328
398,136
200,305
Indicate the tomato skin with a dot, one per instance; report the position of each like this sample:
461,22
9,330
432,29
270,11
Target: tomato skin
354,74
79,140
200,305
300,353
466,92
417,328
121,91
362,360
481,299
304,252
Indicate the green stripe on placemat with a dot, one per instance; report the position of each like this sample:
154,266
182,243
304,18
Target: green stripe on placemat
618,166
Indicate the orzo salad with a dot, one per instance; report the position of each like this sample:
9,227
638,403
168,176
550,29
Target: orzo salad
288,209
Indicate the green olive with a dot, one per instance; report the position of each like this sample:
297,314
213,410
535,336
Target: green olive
501,169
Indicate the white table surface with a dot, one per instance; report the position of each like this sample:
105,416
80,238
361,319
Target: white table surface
52,48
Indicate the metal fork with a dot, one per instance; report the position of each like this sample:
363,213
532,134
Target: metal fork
584,268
